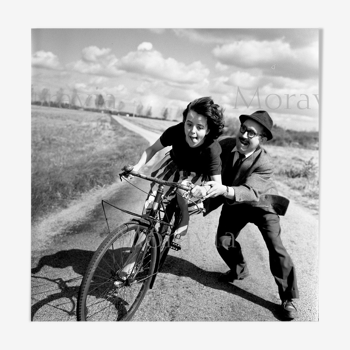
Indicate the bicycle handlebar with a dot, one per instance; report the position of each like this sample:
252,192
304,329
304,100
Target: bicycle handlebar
127,169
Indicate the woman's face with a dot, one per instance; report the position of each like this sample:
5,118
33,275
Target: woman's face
196,128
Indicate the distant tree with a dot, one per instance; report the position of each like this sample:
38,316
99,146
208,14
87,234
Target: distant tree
59,97
88,101
110,101
231,126
44,96
75,98
121,105
149,112
179,115
99,101
165,113
139,109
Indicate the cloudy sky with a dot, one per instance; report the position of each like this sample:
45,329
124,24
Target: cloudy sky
242,69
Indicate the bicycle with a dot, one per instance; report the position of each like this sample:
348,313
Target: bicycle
125,265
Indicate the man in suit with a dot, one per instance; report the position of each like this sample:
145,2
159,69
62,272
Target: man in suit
248,194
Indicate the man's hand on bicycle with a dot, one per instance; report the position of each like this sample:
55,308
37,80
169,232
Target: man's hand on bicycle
210,189
200,191
214,189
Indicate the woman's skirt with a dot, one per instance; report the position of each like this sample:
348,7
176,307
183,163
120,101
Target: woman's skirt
167,170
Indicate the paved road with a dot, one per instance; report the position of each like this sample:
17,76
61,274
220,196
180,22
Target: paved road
187,289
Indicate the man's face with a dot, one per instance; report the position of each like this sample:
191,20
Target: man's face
244,144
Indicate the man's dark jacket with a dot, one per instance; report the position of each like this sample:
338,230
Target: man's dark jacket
253,184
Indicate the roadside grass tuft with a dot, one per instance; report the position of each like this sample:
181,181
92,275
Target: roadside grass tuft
300,172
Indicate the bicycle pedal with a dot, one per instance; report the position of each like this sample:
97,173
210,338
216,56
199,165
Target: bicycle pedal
175,246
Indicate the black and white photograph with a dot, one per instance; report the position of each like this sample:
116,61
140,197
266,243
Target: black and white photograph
176,171
175,174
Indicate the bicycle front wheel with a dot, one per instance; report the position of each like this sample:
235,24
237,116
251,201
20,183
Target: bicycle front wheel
100,297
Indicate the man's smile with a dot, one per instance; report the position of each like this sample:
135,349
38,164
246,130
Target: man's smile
243,141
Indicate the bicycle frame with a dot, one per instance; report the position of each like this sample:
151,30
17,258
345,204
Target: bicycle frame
153,217
149,219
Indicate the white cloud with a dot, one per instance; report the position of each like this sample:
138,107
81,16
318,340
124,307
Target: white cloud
145,46
205,36
80,86
219,85
93,53
96,61
119,91
273,57
251,53
185,95
97,80
43,59
221,67
153,64
295,121
243,80
228,99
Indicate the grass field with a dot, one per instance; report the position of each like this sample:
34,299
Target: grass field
74,152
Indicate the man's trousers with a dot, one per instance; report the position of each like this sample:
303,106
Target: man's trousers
232,220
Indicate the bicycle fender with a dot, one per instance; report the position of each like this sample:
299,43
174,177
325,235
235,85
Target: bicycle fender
158,243
145,222
141,221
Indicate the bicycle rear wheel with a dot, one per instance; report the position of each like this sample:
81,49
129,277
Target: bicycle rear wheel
99,298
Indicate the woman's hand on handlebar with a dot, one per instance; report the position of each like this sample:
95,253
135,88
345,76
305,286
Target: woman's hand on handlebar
126,171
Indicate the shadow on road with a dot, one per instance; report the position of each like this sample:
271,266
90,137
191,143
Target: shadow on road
181,267
54,289
50,289
76,258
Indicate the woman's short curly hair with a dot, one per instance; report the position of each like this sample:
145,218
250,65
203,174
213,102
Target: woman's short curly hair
212,111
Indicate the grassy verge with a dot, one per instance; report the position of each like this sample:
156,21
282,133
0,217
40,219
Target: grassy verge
297,170
74,152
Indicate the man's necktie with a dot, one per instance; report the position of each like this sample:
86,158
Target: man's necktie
237,165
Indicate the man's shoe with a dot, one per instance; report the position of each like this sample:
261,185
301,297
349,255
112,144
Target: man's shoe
289,309
230,276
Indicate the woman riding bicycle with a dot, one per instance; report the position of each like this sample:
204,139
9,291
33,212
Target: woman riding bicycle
195,153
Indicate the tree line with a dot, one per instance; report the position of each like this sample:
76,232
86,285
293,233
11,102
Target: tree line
108,103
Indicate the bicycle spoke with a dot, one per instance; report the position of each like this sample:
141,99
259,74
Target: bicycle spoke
144,279
99,285
106,262
103,277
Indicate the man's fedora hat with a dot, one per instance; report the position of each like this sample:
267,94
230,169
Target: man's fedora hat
261,117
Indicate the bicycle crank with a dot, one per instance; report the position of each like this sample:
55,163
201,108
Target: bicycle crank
175,246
